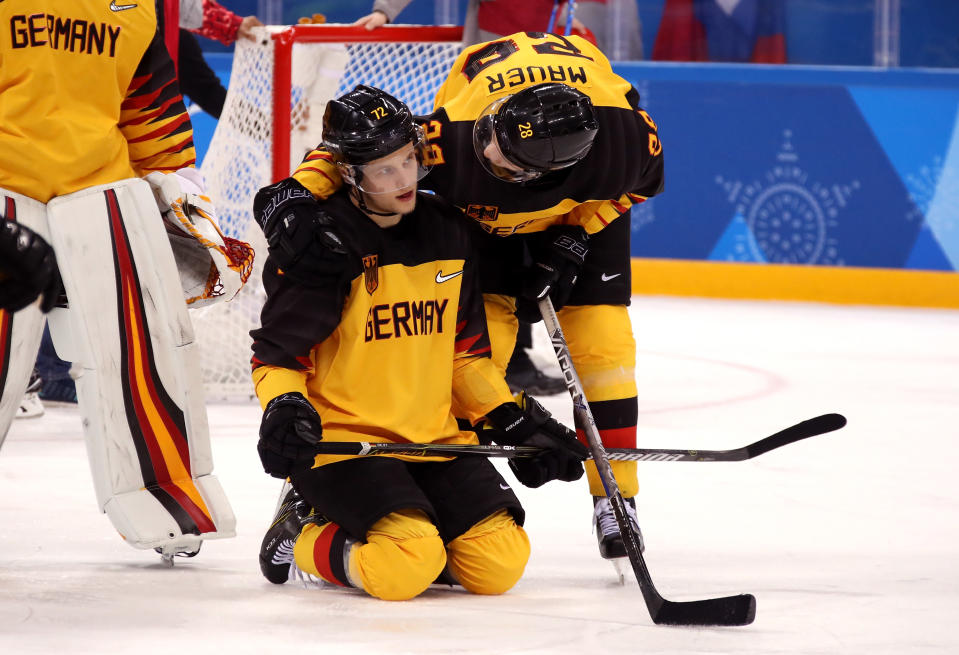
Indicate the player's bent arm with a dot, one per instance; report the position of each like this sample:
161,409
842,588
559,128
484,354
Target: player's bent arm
319,174
270,382
643,154
295,318
595,215
478,387
153,117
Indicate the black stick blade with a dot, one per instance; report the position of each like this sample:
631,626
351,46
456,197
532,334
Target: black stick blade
731,610
811,428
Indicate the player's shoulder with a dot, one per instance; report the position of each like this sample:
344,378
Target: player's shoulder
437,207
442,216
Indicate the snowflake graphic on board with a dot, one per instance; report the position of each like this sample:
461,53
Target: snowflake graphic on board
789,216
923,187
642,214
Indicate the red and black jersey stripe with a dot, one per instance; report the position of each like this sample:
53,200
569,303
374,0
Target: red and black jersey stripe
153,111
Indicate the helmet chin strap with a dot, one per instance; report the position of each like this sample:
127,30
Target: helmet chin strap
361,201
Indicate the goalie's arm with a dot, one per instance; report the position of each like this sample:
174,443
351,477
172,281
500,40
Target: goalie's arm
153,117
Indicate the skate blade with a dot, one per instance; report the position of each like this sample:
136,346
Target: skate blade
621,565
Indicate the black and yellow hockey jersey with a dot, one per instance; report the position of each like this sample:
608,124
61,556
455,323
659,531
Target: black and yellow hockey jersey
88,95
624,166
395,348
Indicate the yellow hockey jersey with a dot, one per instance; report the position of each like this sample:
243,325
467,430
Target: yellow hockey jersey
88,95
624,166
394,349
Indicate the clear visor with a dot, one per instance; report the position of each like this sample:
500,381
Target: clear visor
489,153
397,172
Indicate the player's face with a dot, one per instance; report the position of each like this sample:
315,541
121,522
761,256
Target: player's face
495,156
496,163
390,182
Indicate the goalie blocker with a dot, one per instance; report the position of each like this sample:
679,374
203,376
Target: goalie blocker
128,331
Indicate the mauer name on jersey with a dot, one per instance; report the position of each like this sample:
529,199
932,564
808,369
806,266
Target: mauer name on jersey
534,74
73,34
407,318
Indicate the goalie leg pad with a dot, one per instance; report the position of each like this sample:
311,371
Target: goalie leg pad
20,333
139,389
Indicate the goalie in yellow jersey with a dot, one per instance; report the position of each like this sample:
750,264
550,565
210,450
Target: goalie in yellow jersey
97,176
383,338
570,151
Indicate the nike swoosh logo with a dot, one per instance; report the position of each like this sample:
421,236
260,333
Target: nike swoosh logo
504,486
440,278
607,278
115,7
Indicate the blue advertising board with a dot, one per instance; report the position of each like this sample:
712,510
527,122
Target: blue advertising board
802,165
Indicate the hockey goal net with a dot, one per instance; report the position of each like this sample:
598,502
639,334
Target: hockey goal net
278,90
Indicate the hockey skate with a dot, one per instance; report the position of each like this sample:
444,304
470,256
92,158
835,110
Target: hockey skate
167,553
30,404
276,551
610,540
59,393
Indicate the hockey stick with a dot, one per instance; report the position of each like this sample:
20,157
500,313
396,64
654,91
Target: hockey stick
809,428
730,610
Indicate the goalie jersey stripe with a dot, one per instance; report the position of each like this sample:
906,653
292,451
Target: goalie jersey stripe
155,422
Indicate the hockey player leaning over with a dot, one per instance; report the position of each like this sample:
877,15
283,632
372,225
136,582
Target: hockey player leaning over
82,125
556,168
385,341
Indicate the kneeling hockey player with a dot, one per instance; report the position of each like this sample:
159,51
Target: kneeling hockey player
386,341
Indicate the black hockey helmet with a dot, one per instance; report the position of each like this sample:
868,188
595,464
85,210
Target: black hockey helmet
367,124
544,127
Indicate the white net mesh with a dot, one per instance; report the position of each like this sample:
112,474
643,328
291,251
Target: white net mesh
238,162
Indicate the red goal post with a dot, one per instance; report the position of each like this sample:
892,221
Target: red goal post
278,89
283,59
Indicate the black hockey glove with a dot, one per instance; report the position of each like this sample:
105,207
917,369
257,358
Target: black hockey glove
28,268
529,424
302,239
289,430
558,254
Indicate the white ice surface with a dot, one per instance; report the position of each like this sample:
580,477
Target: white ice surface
848,540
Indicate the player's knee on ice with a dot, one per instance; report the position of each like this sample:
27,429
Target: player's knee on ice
402,556
490,557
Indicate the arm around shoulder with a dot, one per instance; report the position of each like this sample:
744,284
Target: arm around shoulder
303,239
